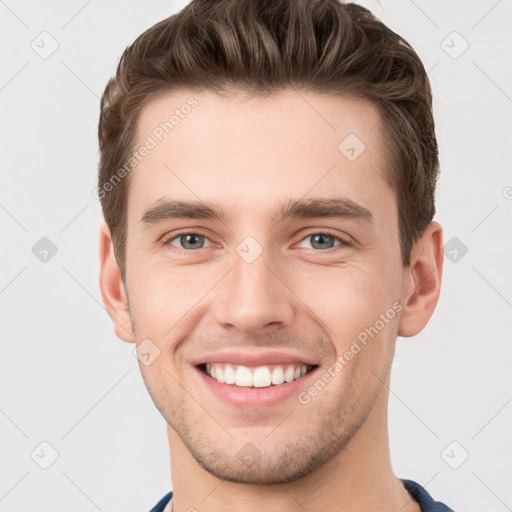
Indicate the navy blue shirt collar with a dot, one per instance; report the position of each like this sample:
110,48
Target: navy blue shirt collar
419,493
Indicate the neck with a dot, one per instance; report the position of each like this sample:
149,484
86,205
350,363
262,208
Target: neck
360,477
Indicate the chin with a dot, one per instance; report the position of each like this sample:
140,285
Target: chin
267,463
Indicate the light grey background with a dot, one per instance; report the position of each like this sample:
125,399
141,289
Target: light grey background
66,380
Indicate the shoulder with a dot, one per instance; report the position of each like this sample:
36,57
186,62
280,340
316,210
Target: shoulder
424,499
159,507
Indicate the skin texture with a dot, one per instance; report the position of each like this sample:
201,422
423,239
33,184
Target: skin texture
249,156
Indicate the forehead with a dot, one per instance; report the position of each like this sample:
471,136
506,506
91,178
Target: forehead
243,151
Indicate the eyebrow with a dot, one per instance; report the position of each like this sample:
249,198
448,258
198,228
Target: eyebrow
339,208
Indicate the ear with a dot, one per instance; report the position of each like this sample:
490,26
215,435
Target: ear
422,281
112,288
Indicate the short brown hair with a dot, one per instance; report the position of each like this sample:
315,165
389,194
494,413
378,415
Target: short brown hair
258,47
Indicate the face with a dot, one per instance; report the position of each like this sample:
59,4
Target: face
263,248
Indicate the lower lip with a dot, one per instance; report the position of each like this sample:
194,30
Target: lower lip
245,397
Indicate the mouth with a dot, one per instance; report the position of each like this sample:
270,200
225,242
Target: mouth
254,380
264,376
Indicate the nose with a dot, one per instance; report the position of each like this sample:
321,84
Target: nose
254,296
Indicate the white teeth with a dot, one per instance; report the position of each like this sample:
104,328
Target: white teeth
260,377
243,376
289,374
277,375
229,374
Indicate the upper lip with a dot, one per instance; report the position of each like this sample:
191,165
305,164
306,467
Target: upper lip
241,358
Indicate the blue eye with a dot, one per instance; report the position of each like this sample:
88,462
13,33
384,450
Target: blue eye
323,241
188,241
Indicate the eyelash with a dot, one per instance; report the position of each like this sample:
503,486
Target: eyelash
167,245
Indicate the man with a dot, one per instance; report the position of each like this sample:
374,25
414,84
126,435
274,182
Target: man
267,177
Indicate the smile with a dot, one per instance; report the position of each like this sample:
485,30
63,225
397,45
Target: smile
258,377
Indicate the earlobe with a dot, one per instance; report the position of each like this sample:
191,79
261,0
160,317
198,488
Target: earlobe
112,288
422,281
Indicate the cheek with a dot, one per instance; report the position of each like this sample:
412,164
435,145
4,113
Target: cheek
167,305
163,295
346,299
